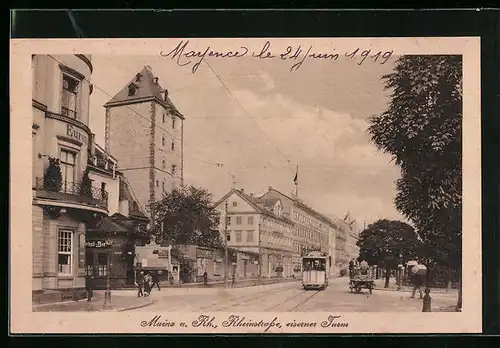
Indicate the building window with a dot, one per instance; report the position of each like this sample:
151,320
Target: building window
65,251
163,116
102,265
163,165
67,164
173,146
163,186
162,141
238,220
235,204
157,183
173,122
216,268
69,96
173,169
250,220
228,221
238,236
249,236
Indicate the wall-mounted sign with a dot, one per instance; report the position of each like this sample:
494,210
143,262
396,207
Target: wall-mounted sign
75,133
98,244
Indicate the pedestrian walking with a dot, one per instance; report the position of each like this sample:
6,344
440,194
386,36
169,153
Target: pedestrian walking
418,278
233,280
156,279
205,278
139,281
89,286
148,280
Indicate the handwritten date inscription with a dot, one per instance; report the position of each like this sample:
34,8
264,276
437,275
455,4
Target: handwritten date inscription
184,57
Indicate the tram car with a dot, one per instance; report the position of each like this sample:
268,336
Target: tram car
315,270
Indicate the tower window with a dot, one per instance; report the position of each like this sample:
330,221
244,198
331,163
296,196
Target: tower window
173,122
173,146
138,77
157,184
163,141
163,186
163,116
163,164
173,169
132,89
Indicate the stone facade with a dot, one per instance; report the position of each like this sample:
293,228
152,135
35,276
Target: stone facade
141,125
61,212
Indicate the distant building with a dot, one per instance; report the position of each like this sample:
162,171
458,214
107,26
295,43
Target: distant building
259,226
144,131
311,229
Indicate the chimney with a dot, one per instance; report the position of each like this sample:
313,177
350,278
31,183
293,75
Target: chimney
250,194
165,94
242,190
269,188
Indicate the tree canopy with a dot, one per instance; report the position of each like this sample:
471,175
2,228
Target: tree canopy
422,130
382,243
186,216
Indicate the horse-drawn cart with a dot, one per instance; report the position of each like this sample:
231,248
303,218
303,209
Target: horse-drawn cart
361,279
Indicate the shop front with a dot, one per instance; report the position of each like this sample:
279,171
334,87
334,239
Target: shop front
107,255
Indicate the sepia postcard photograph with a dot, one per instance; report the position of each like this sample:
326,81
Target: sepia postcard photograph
249,185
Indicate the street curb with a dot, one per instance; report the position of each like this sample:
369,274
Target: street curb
142,305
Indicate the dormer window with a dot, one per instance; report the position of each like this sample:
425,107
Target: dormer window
155,80
138,77
132,89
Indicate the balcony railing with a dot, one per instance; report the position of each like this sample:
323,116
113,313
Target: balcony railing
69,113
73,192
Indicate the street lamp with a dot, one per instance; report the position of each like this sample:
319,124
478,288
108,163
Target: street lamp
107,294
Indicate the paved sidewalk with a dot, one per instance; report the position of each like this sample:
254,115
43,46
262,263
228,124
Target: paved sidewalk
120,301
379,285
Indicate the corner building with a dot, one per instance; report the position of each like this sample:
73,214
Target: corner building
63,204
144,132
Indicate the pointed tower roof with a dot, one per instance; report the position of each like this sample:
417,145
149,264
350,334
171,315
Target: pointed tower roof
143,87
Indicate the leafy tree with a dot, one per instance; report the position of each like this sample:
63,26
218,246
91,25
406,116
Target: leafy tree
52,180
86,188
422,130
383,242
188,216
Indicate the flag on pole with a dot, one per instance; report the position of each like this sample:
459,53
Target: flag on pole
296,179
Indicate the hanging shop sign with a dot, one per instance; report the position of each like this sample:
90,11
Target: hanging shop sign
102,243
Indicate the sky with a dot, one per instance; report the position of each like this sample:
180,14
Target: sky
270,120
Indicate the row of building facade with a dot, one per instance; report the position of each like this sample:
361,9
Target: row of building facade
280,228
90,211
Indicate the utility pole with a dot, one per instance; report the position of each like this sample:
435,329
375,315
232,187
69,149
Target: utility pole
260,257
225,245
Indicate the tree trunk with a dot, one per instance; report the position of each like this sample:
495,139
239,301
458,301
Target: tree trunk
450,279
387,277
459,301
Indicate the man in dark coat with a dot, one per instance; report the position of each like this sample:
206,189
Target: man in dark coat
89,286
156,279
139,281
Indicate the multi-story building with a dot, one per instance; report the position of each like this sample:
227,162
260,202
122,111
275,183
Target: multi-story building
144,131
260,226
64,200
311,230
342,232
352,248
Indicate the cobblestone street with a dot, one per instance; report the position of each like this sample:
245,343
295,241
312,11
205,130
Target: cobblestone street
290,297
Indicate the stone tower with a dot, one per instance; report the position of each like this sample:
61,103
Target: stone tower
144,132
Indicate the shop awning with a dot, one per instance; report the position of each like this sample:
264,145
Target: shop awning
107,226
